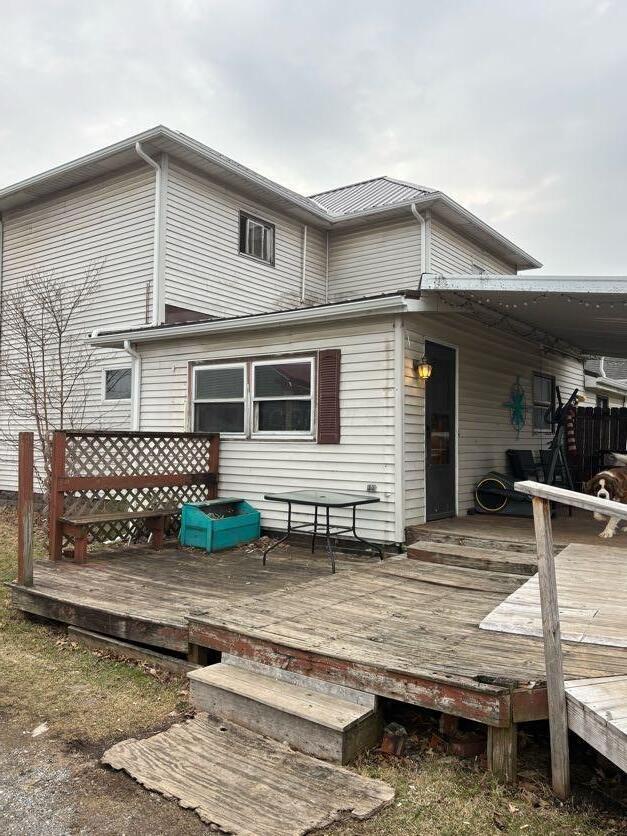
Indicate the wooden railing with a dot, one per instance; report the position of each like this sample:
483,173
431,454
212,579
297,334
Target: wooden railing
541,496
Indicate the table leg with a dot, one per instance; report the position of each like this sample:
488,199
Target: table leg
371,546
282,539
329,547
315,531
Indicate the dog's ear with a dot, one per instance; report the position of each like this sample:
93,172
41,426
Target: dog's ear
616,489
591,486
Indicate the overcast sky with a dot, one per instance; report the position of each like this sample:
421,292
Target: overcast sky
516,109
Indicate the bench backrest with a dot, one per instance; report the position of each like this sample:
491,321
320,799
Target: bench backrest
96,472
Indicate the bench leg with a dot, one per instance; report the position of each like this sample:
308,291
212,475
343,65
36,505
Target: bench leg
157,528
503,752
80,545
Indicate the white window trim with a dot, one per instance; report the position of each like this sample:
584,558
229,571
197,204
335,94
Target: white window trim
284,434
103,384
244,399
269,231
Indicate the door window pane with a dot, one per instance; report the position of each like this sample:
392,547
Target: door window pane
440,438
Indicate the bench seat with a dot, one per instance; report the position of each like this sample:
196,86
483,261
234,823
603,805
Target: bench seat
77,526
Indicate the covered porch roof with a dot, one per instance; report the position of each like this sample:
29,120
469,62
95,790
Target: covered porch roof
587,314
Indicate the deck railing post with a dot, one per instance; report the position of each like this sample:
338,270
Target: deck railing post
558,719
25,510
214,463
56,496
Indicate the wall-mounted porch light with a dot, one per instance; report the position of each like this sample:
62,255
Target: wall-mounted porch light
423,368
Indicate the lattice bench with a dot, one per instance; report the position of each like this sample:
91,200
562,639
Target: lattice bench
77,528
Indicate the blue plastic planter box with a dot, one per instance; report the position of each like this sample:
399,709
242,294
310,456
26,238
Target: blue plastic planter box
219,524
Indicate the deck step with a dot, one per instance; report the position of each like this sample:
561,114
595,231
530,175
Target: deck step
480,542
312,722
472,557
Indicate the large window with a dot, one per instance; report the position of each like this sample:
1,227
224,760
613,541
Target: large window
258,398
281,394
543,386
256,238
220,398
117,384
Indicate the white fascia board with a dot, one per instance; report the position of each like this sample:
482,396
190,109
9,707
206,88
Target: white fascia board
490,283
344,310
605,384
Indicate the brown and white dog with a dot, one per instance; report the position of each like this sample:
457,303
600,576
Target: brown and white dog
610,484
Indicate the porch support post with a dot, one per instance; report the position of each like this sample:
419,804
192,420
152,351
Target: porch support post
25,510
558,718
503,752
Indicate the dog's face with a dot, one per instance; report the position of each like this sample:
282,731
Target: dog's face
609,484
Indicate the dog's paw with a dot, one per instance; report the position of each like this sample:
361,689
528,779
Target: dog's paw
606,534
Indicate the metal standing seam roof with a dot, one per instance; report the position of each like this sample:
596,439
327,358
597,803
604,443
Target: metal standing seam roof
368,194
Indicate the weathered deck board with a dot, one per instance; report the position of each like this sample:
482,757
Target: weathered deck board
592,590
597,712
244,783
398,620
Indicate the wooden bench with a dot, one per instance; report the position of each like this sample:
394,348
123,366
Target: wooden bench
102,480
77,527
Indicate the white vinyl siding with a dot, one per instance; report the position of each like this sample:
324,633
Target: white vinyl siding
489,362
108,221
251,467
376,259
204,269
452,252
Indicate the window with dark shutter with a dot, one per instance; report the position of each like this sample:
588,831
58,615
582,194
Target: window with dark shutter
329,396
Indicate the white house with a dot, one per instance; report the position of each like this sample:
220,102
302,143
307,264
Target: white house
292,324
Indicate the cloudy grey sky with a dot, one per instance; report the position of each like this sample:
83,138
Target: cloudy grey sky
516,109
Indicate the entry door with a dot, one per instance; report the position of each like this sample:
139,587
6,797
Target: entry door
440,432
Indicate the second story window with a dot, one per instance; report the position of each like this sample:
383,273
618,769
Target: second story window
256,238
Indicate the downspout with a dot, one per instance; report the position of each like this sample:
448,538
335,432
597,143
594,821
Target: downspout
1,263
136,383
424,264
303,266
601,366
158,303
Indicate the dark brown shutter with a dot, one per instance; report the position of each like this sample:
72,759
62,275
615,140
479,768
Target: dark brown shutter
329,361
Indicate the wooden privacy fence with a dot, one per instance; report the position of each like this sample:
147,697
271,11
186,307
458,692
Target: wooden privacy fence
108,486
597,429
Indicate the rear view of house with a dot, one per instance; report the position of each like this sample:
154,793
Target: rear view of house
294,325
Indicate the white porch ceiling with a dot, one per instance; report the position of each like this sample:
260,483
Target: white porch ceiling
587,313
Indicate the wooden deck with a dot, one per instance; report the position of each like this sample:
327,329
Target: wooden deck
518,532
592,588
597,712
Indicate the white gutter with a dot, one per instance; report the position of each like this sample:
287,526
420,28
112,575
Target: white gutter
136,383
303,265
158,301
396,303
423,239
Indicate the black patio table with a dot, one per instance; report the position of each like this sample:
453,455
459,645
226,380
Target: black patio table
326,500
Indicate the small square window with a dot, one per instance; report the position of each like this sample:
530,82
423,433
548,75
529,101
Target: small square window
117,384
256,238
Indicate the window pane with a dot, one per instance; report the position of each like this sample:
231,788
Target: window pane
542,389
219,383
539,418
117,384
283,380
284,416
219,417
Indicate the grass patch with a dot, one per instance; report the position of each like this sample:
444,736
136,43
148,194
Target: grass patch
82,695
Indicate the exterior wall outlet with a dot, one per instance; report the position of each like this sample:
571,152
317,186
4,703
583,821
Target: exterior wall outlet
371,487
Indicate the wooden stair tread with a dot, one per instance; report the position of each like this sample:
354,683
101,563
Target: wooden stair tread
324,710
473,557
